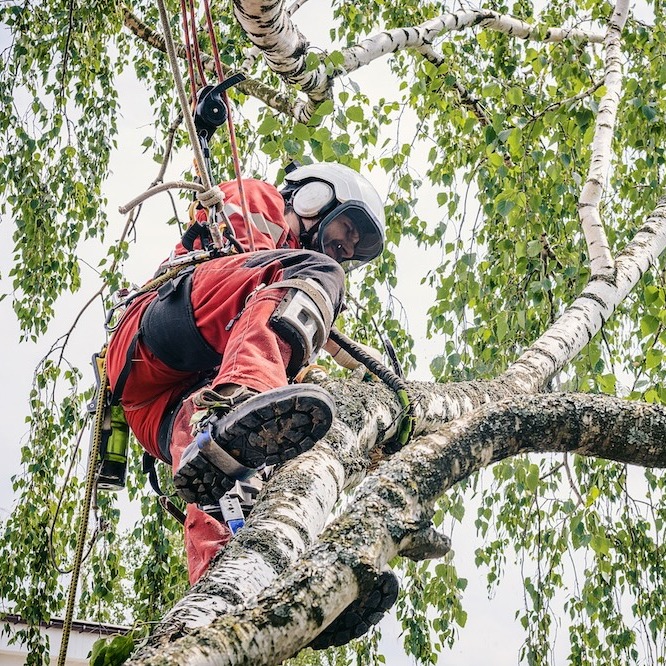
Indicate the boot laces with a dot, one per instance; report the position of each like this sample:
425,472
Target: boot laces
209,402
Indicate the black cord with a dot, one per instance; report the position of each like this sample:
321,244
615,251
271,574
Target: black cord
390,378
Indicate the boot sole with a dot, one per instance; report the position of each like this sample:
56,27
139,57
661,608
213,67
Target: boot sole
361,614
268,429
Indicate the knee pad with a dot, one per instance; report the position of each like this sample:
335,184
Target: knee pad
303,319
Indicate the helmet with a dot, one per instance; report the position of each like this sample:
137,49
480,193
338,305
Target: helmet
333,192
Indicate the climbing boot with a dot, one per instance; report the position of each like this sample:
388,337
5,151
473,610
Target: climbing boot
242,433
360,615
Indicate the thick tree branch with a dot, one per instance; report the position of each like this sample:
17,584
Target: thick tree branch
272,98
285,49
601,260
397,501
584,318
253,53
368,417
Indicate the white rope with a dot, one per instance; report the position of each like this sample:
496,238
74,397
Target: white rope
212,197
211,194
182,96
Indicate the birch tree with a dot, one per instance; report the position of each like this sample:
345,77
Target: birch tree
522,146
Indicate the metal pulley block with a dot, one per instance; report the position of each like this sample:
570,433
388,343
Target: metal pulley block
210,111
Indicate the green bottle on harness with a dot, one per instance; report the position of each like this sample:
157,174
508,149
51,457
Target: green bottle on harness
114,435
113,454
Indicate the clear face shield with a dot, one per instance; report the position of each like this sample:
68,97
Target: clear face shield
350,236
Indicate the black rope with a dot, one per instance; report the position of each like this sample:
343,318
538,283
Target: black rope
396,383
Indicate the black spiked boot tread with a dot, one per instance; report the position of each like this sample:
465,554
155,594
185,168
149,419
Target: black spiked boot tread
267,429
360,615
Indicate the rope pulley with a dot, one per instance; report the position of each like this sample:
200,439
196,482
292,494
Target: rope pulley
210,111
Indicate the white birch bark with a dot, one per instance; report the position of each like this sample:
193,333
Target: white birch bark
270,29
587,314
252,54
270,542
601,260
423,35
393,505
205,627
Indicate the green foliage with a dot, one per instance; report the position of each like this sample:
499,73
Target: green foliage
490,187
55,139
111,651
429,608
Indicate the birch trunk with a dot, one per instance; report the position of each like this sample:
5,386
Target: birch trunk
394,507
284,47
277,584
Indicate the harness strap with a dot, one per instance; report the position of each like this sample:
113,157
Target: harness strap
117,392
148,467
170,332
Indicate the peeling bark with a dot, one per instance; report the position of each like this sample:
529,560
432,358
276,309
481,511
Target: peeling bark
396,503
279,533
278,583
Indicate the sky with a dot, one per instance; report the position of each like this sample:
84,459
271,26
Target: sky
492,631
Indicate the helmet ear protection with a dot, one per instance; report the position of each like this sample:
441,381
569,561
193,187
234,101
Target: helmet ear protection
312,198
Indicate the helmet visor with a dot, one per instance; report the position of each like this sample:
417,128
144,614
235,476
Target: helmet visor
350,236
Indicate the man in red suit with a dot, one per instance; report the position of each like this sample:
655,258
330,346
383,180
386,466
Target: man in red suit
202,365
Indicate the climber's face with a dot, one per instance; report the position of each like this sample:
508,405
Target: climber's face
340,238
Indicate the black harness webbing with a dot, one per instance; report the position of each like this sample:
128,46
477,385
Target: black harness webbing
169,329
117,392
148,467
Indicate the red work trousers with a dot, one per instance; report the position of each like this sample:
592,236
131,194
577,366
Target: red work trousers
228,311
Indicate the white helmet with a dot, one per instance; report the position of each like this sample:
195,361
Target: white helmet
327,191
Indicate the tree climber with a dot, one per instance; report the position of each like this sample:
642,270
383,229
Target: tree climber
211,352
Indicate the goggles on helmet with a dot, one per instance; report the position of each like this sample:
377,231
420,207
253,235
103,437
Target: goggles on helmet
349,235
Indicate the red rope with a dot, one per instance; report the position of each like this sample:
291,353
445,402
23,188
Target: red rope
232,131
195,42
213,41
196,56
188,51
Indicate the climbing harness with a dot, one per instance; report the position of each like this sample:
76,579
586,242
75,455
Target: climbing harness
107,457
168,271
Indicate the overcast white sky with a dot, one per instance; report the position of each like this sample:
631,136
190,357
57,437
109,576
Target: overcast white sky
492,632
